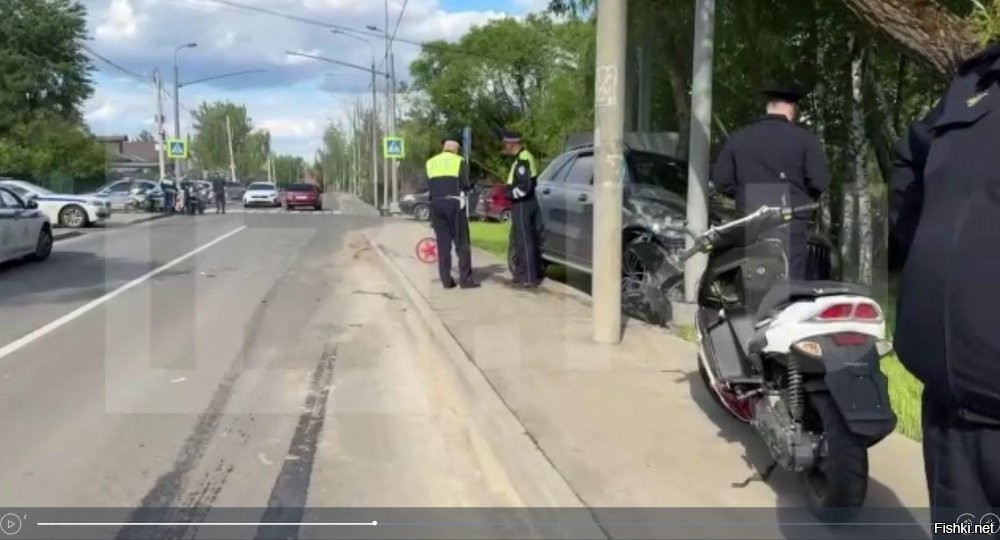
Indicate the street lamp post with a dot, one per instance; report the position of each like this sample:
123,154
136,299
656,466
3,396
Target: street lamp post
374,115
177,101
374,73
390,116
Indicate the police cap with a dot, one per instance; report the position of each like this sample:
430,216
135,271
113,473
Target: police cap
510,136
790,93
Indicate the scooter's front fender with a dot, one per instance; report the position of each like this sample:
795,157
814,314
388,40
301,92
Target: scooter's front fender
859,388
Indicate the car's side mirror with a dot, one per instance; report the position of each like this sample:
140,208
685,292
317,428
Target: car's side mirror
31,204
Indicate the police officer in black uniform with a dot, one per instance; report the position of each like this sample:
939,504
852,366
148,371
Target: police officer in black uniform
169,187
525,224
774,162
448,177
945,215
219,190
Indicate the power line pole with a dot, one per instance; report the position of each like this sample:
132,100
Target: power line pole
177,114
699,149
232,159
374,140
394,206
610,167
160,130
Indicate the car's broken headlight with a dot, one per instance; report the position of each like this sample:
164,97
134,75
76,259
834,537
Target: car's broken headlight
660,220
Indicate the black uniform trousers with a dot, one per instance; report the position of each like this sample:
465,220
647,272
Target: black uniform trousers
451,229
220,202
524,247
961,460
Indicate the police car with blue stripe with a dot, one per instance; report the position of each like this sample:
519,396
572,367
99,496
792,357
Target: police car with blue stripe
73,211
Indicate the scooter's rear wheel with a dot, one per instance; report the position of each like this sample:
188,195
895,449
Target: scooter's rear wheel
836,486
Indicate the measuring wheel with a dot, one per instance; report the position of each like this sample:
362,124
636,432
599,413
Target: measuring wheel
427,250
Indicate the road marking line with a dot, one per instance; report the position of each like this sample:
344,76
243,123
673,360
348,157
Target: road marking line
26,340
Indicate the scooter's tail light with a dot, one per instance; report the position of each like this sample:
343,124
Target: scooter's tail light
836,312
861,311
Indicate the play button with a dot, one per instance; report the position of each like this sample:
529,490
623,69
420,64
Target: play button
10,524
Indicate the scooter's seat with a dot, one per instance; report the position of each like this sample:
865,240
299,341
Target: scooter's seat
784,292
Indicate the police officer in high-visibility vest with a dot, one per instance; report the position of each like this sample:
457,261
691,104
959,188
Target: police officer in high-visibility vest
448,177
525,231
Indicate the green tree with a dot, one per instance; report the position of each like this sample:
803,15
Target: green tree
288,169
532,75
211,141
44,83
43,66
145,136
54,151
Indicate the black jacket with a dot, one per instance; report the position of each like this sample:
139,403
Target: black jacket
771,162
219,186
945,214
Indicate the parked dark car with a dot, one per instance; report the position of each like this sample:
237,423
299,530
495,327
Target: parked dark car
655,191
303,195
235,191
416,204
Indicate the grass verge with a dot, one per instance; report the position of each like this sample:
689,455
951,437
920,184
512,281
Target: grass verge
493,237
904,388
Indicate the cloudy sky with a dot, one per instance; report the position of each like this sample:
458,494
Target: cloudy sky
294,98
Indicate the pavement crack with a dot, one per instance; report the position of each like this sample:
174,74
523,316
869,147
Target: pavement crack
387,296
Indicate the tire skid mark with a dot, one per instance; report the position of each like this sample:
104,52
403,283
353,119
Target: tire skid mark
160,504
291,489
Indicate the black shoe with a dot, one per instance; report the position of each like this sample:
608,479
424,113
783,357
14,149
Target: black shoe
470,285
449,285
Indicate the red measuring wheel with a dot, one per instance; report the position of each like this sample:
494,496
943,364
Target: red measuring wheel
427,250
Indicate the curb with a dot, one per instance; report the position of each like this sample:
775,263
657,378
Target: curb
536,480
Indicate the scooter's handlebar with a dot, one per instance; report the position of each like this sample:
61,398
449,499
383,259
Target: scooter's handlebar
761,220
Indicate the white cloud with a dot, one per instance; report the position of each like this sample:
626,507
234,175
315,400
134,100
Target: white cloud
143,34
120,21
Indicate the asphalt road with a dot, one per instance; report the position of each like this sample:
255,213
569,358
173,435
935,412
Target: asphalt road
244,360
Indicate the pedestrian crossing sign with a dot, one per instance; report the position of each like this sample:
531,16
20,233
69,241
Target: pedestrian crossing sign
177,149
394,147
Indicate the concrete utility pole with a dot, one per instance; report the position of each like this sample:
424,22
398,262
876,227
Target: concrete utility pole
160,130
177,102
232,159
394,206
374,140
700,147
609,170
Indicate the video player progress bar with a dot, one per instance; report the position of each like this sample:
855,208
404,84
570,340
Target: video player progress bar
209,524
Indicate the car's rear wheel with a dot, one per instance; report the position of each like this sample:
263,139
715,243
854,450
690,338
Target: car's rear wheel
422,212
73,216
505,215
43,247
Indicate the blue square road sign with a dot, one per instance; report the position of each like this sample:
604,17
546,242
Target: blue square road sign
177,149
394,147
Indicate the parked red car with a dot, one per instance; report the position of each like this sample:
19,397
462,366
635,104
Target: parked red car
494,204
303,195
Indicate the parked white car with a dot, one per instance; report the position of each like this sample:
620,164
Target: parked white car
25,232
73,211
261,193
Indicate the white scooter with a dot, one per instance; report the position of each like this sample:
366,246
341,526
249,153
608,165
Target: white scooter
797,360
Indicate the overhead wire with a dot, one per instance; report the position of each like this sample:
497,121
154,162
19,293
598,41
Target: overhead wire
447,47
145,79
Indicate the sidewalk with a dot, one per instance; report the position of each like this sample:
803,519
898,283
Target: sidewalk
626,426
